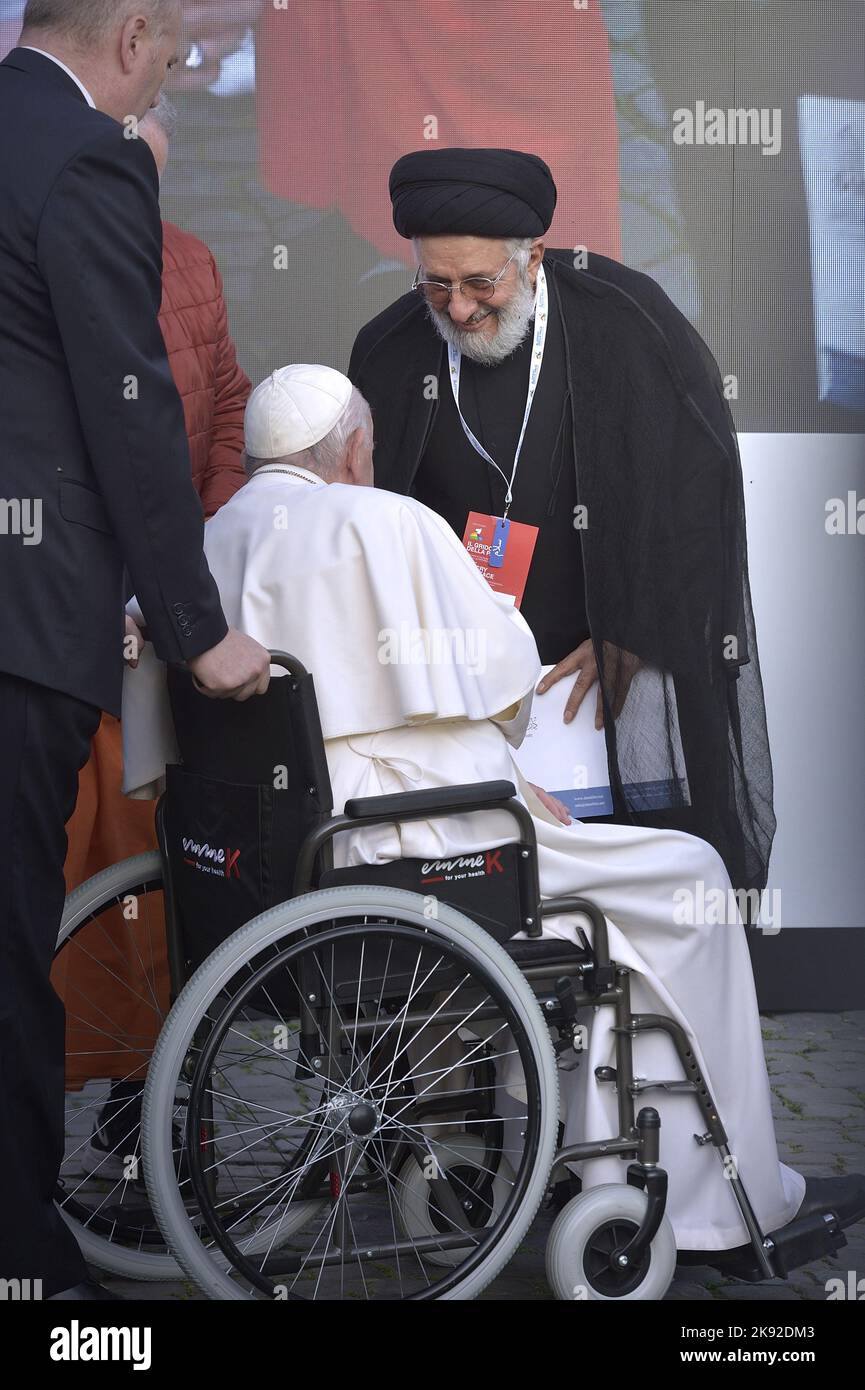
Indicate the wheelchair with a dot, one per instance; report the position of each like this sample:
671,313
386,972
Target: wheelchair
342,1083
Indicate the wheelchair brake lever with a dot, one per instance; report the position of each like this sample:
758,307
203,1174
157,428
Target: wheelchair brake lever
565,994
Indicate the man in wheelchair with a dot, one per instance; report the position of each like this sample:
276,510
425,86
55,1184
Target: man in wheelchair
424,679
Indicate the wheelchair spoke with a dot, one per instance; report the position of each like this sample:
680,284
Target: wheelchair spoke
405,1046
117,979
291,1180
116,1112
276,1126
356,1158
347,1211
258,1105
415,990
260,1046
431,1085
381,1163
327,1231
440,1071
446,1148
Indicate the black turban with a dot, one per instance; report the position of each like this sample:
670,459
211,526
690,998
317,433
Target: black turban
495,193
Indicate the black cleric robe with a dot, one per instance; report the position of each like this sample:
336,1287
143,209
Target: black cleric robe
650,452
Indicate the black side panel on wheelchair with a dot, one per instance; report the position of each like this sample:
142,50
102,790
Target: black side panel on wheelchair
251,788
485,886
251,785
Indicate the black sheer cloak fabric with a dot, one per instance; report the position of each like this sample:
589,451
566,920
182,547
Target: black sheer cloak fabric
665,549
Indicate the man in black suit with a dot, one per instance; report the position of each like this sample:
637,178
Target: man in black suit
94,481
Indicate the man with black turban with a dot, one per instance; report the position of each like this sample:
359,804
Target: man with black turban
564,391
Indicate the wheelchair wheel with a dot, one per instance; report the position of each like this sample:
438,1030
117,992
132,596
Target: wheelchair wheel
318,1045
587,1231
110,966
110,969
486,1190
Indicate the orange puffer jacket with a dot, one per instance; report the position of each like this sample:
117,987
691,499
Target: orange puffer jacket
204,364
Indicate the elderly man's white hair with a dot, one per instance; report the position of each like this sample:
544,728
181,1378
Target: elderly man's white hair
87,21
325,457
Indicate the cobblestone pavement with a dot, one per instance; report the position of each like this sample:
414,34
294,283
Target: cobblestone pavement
816,1066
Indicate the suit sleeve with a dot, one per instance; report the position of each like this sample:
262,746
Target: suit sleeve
99,249
224,473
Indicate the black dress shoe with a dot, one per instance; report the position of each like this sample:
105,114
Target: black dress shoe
844,1197
87,1290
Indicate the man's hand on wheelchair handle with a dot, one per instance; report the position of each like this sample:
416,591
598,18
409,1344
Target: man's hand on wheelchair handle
236,668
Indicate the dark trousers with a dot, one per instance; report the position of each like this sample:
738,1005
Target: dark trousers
44,741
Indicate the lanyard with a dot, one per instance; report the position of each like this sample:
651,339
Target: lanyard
454,363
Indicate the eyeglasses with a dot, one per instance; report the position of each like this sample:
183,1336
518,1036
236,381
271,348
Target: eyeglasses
475,287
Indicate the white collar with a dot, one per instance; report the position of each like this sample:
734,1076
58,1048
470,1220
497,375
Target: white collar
291,472
68,71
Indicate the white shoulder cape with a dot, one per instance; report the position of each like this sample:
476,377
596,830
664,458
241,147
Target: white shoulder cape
372,592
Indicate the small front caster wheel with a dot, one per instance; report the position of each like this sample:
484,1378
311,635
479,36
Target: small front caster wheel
586,1234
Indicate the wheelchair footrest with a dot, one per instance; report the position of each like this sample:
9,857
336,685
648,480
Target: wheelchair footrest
800,1242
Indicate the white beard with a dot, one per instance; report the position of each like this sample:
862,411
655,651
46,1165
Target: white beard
513,325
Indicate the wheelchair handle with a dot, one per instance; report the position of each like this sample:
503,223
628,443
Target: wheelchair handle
289,664
277,658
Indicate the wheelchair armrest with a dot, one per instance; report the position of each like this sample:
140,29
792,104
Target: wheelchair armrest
427,804
468,796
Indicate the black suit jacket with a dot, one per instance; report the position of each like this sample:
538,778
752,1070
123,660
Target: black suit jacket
92,429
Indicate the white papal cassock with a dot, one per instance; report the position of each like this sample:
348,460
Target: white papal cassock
423,674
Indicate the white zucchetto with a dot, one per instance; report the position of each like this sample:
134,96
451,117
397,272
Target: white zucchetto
294,408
